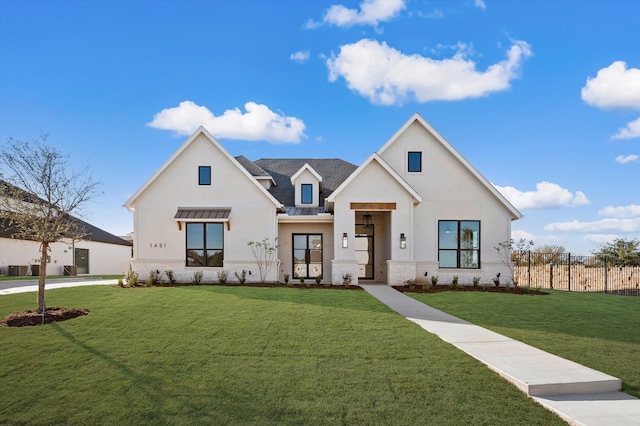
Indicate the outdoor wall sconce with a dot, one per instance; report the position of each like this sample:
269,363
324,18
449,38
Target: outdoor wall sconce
403,241
345,240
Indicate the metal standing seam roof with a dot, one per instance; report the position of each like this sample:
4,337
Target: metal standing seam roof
202,213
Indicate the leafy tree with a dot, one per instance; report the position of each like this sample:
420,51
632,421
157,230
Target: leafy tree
548,254
620,252
38,195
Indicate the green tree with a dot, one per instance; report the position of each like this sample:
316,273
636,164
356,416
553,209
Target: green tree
38,195
548,253
620,252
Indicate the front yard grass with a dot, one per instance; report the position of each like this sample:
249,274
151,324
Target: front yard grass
239,355
601,331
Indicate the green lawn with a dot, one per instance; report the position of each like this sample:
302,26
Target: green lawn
239,355
601,331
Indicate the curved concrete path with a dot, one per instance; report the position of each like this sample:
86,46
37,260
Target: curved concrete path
578,394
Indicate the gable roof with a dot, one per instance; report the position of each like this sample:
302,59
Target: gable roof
201,131
333,171
310,169
515,214
375,157
93,233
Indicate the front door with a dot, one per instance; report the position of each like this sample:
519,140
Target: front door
82,261
364,251
307,255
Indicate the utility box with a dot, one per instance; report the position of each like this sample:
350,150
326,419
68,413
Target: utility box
70,270
18,270
35,270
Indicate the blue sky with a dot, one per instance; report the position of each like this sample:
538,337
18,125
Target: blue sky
542,97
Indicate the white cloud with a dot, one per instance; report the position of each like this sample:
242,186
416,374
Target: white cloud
371,12
387,76
257,123
435,14
614,87
546,195
632,210
600,226
601,238
626,159
630,132
480,4
300,56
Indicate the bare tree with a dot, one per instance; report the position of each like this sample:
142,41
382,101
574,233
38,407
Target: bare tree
38,195
265,254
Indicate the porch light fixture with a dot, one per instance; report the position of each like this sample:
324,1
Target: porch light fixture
403,241
345,240
366,219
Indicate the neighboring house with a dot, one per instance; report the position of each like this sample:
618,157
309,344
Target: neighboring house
413,209
99,253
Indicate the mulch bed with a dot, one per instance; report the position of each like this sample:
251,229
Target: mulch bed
25,318
487,289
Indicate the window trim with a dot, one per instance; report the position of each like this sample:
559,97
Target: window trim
459,248
409,162
204,249
200,180
302,187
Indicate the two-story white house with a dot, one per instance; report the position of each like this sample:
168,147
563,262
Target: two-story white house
414,208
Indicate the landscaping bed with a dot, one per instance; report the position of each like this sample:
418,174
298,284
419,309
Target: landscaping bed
417,288
26,318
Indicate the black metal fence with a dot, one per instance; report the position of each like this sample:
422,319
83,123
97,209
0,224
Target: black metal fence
562,271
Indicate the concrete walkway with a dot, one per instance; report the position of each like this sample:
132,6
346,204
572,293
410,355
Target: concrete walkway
578,394
18,286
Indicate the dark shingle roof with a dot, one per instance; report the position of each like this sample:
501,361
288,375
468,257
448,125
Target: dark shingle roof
334,171
251,167
93,233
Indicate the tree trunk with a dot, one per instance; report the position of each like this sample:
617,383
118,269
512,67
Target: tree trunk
42,308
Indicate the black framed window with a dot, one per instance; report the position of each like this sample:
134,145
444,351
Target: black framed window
205,244
414,161
459,244
306,193
307,255
204,175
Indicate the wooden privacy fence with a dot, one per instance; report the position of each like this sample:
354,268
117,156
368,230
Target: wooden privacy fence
562,271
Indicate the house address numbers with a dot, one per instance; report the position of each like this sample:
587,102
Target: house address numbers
158,245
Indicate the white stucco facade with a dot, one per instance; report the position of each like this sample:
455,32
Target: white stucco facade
408,206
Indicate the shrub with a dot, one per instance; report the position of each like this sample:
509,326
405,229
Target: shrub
318,278
170,276
131,278
496,280
454,282
476,281
301,280
286,279
434,280
153,278
197,277
410,282
242,277
222,276
120,282
346,279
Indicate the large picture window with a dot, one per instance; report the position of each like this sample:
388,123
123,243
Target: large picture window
459,244
205,244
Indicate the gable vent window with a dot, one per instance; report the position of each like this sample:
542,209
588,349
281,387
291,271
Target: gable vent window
204,175
414,162
306,194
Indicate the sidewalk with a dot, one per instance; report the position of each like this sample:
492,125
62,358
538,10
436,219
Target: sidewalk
578,394
13,287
